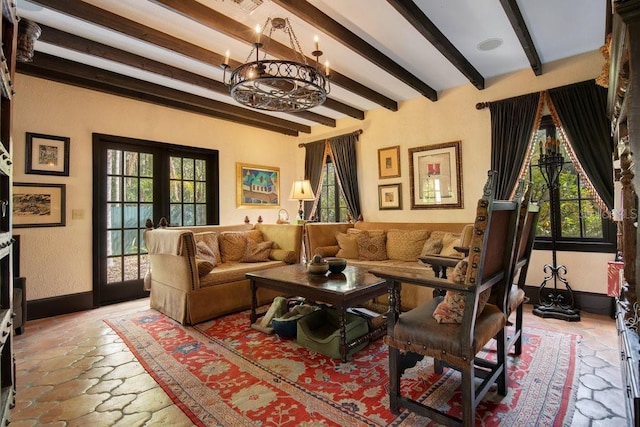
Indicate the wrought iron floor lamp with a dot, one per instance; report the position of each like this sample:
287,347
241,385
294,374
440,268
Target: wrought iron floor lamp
557,301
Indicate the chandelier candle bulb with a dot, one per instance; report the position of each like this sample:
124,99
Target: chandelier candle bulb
326,68
258,33
226,57
315,43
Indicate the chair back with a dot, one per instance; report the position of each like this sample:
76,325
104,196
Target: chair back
527,226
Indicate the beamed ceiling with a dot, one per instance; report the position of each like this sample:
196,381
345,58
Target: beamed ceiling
381,52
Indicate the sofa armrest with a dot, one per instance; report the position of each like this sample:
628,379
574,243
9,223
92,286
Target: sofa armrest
323,234
284,236
175,270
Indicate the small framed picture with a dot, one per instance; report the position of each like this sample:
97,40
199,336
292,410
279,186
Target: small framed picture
389,162
436,176
38,205
390,196
46,154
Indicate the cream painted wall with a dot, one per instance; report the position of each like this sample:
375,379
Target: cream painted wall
57,260
454,117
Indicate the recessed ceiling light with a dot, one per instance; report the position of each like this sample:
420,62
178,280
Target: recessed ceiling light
489,44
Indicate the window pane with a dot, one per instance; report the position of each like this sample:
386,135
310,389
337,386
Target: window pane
176,214
568,185
189,215
130,215
201,214
131,189
114,185
146,164
130,163
146,190
114,242
187,191
114,215
131,268
114,162
201,170
188,169
544,221
176,191
114,270
201,192
176,168
146,212
131,241
570,214
592,220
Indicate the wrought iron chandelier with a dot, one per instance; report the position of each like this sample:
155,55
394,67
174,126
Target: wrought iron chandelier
278,85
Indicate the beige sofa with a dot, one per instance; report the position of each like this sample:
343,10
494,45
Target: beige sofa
389,245
181,285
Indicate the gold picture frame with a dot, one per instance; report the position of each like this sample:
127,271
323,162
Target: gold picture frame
389,162
257,186
436,176
390,196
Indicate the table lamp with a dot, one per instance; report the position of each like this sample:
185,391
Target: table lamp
301,191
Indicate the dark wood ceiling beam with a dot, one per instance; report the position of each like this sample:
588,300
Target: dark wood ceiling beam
90,47
225,25
33,70
88,73
319,19
103,18
520,28
414,15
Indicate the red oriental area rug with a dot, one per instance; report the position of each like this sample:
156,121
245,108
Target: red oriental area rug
224,373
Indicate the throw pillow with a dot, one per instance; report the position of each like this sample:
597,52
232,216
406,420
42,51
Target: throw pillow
449,240
405,245
256,252
211,240
232,246
283,255
348,246
451,308
432,246
205,253
204,267
372,248
327,251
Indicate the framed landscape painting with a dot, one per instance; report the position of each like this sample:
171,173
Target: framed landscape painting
436,176
46,154
38,205
257,186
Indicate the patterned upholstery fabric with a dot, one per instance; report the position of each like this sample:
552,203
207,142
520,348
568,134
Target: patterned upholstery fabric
327,251
256,252
449,240
233,243
405,245
348,246
210,238
432,246
372,248
283,255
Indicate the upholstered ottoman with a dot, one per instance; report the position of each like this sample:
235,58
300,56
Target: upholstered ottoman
320,331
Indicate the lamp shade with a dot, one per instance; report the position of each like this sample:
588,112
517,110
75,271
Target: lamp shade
301,190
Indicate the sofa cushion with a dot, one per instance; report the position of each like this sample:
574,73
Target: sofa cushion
256,252
233,243
348,244
205,253
210,238
372,248
204,267
449,241
405,245
229,272
283,255
327,251
432,246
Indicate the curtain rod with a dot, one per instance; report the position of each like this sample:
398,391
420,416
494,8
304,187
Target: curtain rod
356,132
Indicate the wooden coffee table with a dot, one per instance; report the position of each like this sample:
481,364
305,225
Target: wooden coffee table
341,290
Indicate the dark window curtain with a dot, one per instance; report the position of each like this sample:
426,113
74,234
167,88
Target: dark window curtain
314,161
512,122
343,150
582,109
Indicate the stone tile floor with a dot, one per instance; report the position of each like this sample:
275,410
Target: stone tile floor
73,370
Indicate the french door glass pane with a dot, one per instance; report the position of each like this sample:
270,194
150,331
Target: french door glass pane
188,188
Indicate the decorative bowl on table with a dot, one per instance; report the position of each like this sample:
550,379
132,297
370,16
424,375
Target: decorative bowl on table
337,265
317,266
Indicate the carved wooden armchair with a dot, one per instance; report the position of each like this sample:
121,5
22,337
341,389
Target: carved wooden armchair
417,333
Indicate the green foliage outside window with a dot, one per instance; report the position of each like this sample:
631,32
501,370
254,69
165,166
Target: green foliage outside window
332,207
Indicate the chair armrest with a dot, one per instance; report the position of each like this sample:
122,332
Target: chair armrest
442,261
407,276
464,250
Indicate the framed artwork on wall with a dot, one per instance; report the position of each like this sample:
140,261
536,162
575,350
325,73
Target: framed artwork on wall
389,162
436,176
38,205
46,154
390,196
257,186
